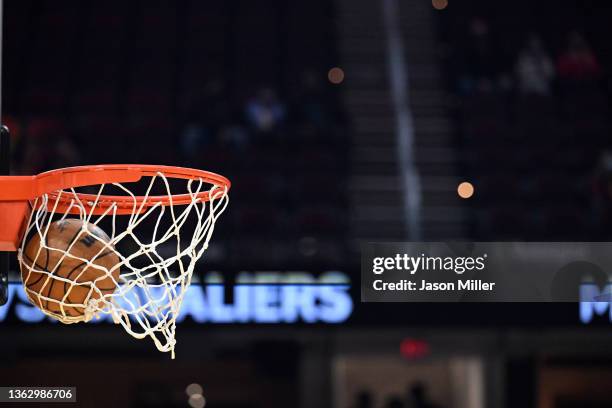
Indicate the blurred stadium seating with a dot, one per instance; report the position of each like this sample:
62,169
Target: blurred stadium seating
533,157
102,80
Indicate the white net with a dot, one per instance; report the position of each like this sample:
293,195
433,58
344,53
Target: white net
78,264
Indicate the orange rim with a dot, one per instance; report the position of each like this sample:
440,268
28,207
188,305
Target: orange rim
19,188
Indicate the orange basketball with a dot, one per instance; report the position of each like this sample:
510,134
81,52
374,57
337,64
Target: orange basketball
67,246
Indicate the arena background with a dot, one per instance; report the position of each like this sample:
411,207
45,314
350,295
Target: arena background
338,122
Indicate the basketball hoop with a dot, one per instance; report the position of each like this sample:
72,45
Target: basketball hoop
155,221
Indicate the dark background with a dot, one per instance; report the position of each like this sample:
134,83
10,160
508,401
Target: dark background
185,83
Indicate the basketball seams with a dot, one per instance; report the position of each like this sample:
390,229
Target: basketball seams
35,264
47,260
46,268
72,286
69,275
59,266
32,264
54,304
38,294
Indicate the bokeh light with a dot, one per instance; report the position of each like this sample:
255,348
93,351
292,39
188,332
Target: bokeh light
335,75
439,4
197,401
465,190
194,389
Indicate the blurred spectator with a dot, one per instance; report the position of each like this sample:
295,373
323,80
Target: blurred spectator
480,67
364,400
265,112
41,156
534,68
209,104
234,135
602,195
578,62
206,114
417,397
193,137
394,402
46,146
312,100
65,153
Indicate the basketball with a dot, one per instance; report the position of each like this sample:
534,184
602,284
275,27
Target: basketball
56,274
